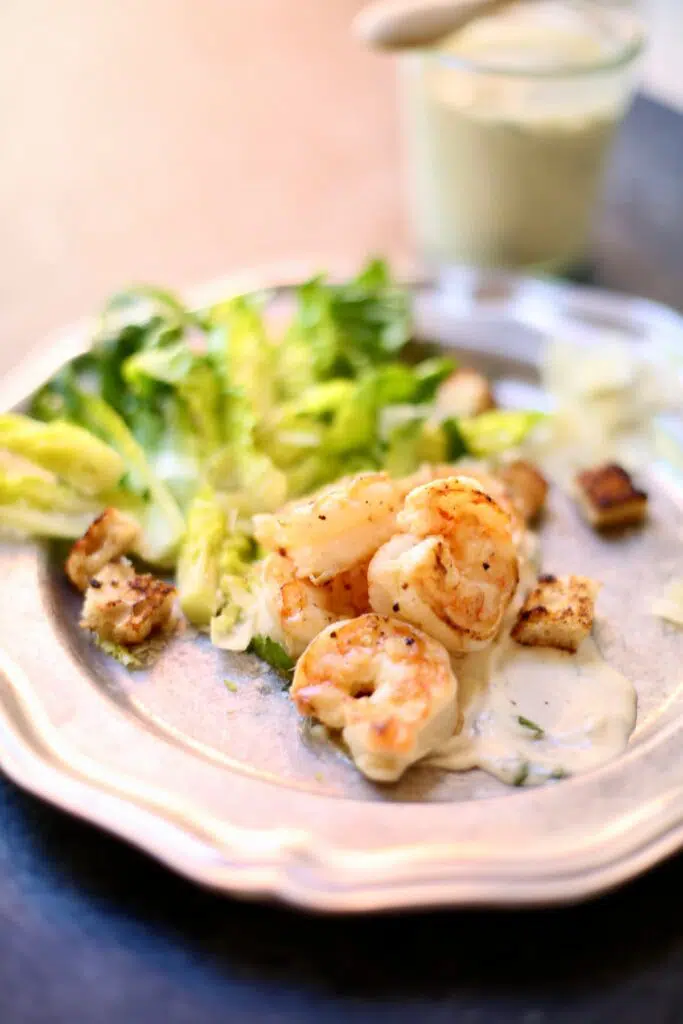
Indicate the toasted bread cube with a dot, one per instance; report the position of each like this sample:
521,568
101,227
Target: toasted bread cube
557,613
527,486
465,393
125,607
108,537
607,497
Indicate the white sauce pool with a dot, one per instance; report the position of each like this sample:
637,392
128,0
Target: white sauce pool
504,168
530,714
543,714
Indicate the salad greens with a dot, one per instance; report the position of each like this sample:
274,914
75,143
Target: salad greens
81,460
198,568
495,431
273,653
213,562
193,420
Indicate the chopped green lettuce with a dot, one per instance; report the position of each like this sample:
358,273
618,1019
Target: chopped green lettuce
167,365
493,432
163,524
413,443
156,301
129,657
34,502
248,480
175,457
273,653
150,501
372,315
242,354
134,656
193,421
68,451
234,625
39,522
190,412
342,330
429,374
198,569
456,443
211,557
24,484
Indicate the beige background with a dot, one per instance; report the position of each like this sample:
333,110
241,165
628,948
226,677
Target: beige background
173,140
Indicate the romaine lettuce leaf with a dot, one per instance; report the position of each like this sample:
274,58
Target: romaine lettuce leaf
242,354
162,521
493,432
342,330
413,443
71,453
272,653
198,569
248,480
40,522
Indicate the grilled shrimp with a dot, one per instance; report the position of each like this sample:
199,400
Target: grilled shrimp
491,482
387,686
453,569
296,610
337,528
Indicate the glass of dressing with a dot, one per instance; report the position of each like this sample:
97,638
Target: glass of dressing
507,126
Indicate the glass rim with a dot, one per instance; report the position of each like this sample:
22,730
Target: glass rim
622,55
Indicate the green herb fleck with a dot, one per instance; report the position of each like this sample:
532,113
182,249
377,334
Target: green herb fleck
559,773
273,653
138,656
456,443
230,685
522,774
538,732
319,777
127,656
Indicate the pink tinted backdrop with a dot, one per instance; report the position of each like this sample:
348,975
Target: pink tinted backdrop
173,140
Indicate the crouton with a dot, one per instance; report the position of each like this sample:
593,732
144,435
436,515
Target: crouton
465,393
124,607
557,613
108,537
607,497
527,486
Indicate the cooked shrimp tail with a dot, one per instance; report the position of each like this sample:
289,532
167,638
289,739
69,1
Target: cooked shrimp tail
336,529
387,686
296,610
454,568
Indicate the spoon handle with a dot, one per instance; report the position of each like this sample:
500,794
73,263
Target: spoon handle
399,24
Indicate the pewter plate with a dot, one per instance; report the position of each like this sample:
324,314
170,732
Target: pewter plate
228,789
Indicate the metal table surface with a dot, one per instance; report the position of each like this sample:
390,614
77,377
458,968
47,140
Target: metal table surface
92,931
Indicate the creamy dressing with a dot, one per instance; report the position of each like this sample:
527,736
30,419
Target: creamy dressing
532,714
526,715
540,714
505,163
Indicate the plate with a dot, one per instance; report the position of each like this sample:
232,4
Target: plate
231,790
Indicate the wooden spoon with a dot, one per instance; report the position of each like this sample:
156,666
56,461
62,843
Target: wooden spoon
401,24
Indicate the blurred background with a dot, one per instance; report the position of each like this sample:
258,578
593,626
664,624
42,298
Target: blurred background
172,141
